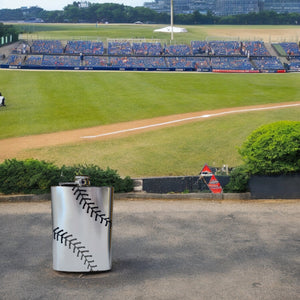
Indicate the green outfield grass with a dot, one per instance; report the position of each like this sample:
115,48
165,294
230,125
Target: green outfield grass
103,31
133,31
50,101
40,102
180,150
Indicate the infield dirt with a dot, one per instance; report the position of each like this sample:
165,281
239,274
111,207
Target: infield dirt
12,146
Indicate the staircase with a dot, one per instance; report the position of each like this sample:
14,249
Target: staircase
271,49
273,52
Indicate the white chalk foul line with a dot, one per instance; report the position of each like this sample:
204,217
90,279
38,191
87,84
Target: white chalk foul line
188,119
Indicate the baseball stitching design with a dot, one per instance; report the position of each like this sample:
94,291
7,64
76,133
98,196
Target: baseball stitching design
78,248
86,202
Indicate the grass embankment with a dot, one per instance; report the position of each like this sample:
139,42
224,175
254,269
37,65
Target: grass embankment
180,150
40,102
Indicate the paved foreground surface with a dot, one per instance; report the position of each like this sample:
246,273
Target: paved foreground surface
162,250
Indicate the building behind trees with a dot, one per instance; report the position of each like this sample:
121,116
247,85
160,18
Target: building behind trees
225,7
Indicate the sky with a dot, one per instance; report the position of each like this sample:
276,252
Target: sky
60,4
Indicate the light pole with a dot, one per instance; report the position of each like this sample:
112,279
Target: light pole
171,20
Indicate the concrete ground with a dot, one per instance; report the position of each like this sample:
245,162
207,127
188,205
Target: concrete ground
162,250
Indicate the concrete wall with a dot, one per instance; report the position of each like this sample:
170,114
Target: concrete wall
179,184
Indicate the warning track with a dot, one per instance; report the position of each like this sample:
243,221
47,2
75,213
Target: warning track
12,146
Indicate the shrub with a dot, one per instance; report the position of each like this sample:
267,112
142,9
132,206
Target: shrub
238,183
29,176
273,149
36,177
98,177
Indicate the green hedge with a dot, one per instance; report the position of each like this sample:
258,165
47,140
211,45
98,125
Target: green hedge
273,149
36,177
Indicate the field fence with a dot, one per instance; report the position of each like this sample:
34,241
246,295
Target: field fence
266,38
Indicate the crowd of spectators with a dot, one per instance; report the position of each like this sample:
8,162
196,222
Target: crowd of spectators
202,63
199,47
146,48
177,50
85,47
60,60
119,48
34,60
231,63
291,49
268,63
180,62
294,64
22,48
227,48
188,62
15,60
137,62
125,48
95,61
47,46
256,48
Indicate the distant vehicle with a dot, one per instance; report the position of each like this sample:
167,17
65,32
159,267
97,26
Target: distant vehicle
34,20
138,22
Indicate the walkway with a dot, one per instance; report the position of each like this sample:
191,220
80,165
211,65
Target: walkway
162,250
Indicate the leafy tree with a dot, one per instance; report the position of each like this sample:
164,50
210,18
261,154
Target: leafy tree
6,30
119,13
72,13
273,149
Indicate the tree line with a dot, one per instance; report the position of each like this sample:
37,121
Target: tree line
8,30
119,13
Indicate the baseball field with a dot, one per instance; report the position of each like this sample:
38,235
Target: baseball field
139,123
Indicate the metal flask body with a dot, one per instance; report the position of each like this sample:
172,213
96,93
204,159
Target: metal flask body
81,228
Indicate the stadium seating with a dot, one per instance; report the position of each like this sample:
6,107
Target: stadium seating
137,62
290,48
202,63
256,48
95,61
145,48
268,63
216,48
22,48
231,63
199,47
181,62
34,60
294,64
119,48
178,50
47,47
224,47
60,61
199,55
85,47
15,60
